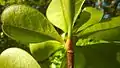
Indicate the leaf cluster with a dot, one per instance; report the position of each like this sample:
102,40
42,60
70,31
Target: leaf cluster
96,42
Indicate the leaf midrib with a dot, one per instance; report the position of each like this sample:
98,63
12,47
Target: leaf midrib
32,31
62,6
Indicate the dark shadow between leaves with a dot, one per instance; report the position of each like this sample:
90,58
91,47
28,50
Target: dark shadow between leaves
82,18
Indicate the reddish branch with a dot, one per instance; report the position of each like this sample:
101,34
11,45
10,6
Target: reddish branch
70,53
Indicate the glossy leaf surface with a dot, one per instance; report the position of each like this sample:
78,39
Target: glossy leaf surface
61,13
26,24
95,17
17,58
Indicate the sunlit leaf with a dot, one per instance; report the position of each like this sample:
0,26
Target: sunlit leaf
78,8
56,58
17,58
26,24
64,63
60,13
89,41
2,2
95,17
43,50
108,30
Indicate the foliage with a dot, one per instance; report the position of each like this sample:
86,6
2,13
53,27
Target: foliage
40,5
37,2
13,57
96,42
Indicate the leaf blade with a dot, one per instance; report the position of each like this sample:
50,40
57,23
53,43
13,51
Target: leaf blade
60,14
96,16
27,18
56,16
13,58
99,55
24,36
48,47
78,8
2,2
108,31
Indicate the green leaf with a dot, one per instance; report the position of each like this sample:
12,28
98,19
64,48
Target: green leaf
101,55
79,59
60,13
108,30
26,24
2,2
118,56
40,2
78,8
43,50
83,18
15,1
17,58
56,58
64,63
88,41
96,16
